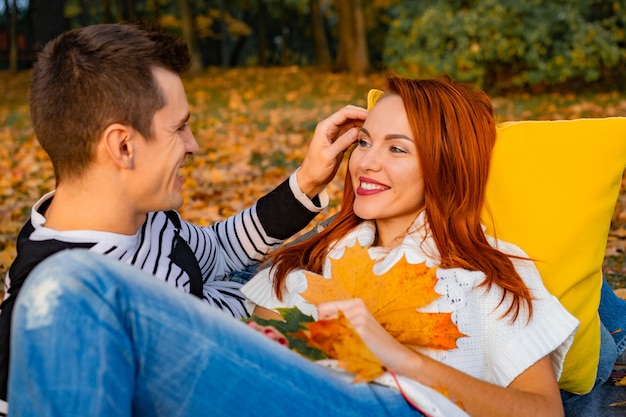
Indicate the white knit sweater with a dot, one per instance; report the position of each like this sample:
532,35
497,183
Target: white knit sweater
495,349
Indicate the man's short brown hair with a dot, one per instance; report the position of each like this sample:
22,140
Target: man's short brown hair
88,78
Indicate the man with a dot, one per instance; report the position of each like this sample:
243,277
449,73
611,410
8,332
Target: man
109,107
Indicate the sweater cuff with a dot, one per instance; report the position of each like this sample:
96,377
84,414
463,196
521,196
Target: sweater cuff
283,212
319,202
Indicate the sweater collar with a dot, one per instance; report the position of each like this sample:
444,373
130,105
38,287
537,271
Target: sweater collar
417,246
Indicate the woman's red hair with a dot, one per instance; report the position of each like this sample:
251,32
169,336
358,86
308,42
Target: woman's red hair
454,129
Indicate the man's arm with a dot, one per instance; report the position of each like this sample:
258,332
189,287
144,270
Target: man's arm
244,239
283,213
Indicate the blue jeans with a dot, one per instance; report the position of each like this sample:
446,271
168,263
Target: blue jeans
94,337
612,312
613,316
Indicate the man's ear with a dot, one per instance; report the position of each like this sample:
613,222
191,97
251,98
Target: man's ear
117,144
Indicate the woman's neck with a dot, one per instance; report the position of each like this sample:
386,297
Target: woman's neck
391,232
388,239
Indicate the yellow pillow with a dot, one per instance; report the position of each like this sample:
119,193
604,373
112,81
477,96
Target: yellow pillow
552,190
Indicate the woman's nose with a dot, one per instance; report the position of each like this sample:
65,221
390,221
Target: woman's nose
370,159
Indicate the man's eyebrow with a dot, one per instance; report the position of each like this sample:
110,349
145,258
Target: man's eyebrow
185,119
389,136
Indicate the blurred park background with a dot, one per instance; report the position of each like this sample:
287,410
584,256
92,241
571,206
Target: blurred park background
266,71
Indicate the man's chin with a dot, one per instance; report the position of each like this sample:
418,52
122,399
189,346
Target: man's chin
172,205
176,206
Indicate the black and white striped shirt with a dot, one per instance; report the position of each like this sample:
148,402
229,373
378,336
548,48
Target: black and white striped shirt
231,245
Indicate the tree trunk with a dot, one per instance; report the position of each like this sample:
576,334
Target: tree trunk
233,60
224,34
130,11
320,43
262,33
108,16
360,57
284,58
189,35
47,19
125,10
84,13
239,45
344,34
13,39
121,13
352,55
156,9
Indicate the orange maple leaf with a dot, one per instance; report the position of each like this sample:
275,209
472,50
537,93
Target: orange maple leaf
338,340
393,297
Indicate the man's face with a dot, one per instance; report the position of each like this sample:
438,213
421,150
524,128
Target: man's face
157,181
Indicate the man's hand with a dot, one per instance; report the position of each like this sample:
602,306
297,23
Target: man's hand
270,332
332,137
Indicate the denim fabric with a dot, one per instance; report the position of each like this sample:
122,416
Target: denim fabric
95,337
244,275
612,313
598,403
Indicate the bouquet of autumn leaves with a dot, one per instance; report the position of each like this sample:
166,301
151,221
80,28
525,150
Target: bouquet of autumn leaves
393,298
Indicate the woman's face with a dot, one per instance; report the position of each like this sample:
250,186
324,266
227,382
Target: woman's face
385,171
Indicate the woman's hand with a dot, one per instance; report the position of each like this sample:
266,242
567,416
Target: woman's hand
391,352
533,393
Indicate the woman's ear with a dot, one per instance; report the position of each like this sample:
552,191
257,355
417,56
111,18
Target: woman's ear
117,144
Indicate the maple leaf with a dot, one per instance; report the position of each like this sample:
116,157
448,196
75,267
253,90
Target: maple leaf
338,339
393,297
293,322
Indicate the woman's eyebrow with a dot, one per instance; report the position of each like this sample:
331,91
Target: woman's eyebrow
389,136
397,136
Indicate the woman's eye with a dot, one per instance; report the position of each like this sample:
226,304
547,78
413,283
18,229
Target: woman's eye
182,128
395,149
362,143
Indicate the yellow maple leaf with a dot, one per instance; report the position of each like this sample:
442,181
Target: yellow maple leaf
393,297
338,340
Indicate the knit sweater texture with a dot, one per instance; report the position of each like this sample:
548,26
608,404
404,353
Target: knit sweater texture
495,349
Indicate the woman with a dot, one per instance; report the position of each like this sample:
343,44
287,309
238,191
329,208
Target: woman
415,187
95,337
